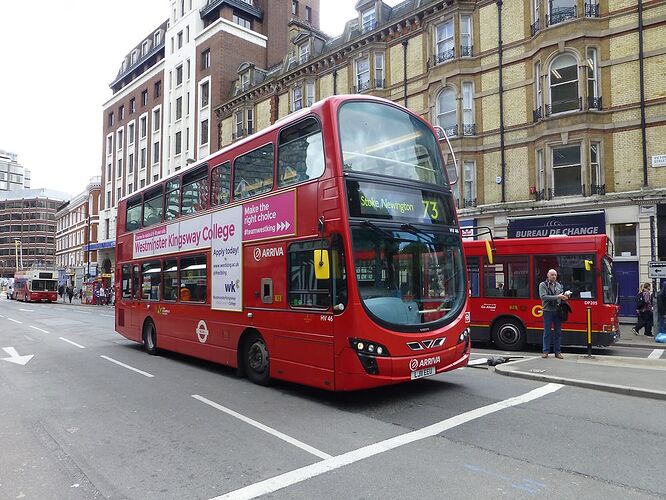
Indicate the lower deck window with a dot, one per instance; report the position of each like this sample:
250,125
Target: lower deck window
193,279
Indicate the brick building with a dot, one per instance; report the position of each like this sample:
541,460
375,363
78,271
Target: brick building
28,229
160,117
76,227
566,115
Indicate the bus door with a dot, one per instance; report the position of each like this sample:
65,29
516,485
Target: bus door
129,293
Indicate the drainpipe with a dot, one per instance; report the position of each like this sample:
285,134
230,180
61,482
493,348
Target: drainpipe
404,68
641,74
501,99
335,82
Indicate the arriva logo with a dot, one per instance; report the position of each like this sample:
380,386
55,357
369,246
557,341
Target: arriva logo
415,363
267,253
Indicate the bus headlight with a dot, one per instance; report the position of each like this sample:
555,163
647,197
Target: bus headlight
366,347
464,336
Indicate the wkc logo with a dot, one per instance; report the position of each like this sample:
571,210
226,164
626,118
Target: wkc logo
231,287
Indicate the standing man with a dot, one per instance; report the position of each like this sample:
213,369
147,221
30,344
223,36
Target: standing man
644,310
551,295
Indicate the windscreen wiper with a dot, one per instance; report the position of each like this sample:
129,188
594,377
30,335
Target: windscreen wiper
378,229
415,230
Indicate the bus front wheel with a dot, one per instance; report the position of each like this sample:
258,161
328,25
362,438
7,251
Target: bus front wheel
509,335
150,338
256,359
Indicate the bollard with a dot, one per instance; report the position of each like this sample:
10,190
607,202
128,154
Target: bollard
589,332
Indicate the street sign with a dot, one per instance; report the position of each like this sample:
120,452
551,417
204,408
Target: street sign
657,269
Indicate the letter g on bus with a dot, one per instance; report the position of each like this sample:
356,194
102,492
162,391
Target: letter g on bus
537,311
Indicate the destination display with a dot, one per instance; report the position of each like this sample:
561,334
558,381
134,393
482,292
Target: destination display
377,201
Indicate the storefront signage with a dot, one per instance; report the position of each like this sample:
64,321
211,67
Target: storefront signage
467,229
589,223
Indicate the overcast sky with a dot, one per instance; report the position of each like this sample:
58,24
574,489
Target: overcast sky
56,62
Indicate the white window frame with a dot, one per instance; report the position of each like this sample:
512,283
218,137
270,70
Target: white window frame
552,85
362,75
444,40
540,171
249,120
296,98
157,120
538,90
109,144
593,67
130,133
245,81
466,38
204,85
380,82
204,140
596,172
119,138
468,103
309,94
238,123
205,59
440,113
143,126
536,10
368,18
179,75
469,182
179,114
303,52
554,168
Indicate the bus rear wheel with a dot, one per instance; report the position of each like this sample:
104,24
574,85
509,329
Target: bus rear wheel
257,364
509,335
150,338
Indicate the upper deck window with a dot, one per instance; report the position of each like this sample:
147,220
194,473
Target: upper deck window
300,153
133,216
253,172
153,206
195,191
380,139
220,179
172,200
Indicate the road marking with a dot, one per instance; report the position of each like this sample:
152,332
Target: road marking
108,315
27,310
83,312
309,471
73,343
656,354
145,374
15,358
479,361
39,329
15,321
265,428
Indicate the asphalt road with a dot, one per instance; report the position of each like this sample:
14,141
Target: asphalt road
75,423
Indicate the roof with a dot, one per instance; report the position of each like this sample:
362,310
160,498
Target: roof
32,194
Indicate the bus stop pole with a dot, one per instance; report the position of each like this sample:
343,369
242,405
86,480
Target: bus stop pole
589,332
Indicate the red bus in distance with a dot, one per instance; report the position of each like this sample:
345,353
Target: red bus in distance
324,250
504,295
35,286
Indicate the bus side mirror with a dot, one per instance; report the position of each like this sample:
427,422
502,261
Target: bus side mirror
589,264
489,252
322,267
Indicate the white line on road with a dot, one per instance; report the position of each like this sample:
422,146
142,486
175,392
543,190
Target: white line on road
73,343
39,329
83,312
108,315
298,475
265,428
15,321
27,310
656,354
145,374
479,361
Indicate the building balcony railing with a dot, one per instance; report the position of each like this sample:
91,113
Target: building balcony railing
443,56
238,134
591,10
362,87
534,28
544,194
564,105
469,129
451,131
594,103
466,50
537,114
598,189
468,203
560,14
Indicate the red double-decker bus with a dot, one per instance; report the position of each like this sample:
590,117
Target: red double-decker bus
36,286
504,291
324,250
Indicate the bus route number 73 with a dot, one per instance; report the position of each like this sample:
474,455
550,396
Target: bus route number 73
431,209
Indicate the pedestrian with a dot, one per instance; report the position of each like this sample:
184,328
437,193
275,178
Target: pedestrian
102,296
70,293
61,292
644,311
551,293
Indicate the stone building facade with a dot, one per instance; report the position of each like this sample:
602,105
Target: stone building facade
553,107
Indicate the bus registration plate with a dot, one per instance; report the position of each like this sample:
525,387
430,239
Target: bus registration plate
426,372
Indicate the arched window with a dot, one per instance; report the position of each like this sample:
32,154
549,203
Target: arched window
563,79
446,112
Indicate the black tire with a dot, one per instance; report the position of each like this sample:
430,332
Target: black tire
509,335
150,338
256,359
